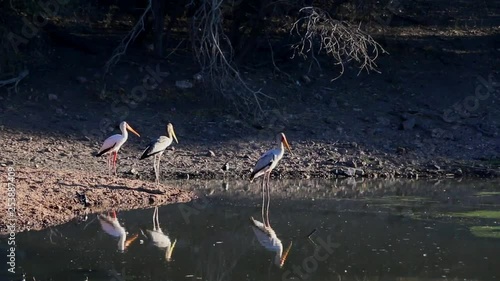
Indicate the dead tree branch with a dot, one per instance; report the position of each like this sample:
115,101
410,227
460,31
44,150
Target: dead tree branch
131,36
338,39
214,53
14,80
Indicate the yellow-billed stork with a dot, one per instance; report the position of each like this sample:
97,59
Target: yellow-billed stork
157,147
112,144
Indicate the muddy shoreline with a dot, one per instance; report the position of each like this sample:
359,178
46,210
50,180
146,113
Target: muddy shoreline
45,198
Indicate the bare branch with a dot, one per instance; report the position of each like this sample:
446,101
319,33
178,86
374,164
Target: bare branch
131,36
214,53
15,80
338,39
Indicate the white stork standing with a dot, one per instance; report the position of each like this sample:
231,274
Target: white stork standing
265,165
160,239
157,147
111,225
112,144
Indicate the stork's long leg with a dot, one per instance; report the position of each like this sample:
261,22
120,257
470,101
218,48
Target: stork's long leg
263,198
268,198
154,225
158,169
154,165
114,161
157,220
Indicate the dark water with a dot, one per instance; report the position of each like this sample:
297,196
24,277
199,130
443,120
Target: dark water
399,230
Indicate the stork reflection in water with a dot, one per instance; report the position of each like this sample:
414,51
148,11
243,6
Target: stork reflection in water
111,225
266,236
158,238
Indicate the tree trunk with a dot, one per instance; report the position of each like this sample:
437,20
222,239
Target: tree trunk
158,8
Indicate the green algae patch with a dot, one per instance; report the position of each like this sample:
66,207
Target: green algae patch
487,193
485,231
481,214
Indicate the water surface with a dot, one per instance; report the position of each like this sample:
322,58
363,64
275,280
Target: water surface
374,230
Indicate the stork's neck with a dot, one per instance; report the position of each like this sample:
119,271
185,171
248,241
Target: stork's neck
121,242
282,148
125,133
279,253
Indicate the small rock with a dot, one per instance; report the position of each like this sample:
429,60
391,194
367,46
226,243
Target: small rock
401,150
359,172
437,133
184,84
133,171
81,79
198,77
383,121
409,124
351,172
152,199
333,103
210,153
329,120
52,97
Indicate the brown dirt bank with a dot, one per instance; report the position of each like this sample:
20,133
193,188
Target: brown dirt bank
51,197
192,159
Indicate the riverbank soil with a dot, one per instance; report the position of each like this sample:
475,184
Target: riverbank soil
46,198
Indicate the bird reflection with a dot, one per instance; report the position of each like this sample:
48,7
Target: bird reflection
266,235
158,238
111,225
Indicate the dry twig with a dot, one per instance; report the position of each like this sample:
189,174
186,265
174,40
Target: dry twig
339,39
214,53
15,80
131,36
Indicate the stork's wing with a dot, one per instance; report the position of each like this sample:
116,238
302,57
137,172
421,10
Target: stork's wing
266,236
264,161
109,143
156,146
